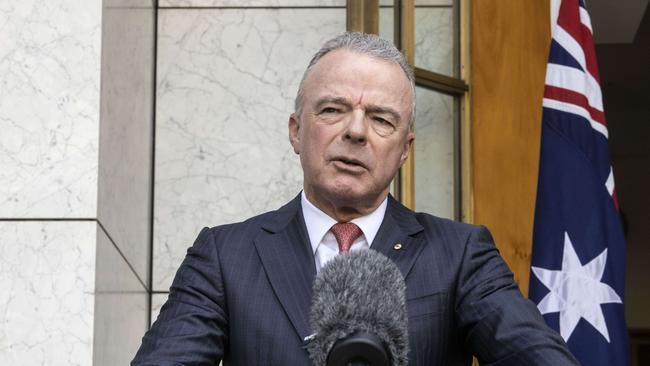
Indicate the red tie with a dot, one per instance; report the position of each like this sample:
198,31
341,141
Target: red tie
345,234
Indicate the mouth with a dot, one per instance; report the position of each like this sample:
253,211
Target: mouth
349,163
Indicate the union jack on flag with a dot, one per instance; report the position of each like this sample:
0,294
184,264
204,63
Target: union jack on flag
578,260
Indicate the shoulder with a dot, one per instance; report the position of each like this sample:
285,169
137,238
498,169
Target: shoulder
447,228
455,241
434,227
432,222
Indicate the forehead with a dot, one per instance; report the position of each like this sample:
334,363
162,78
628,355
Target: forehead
359,77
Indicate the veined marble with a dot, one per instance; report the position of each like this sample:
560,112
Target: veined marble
435,142
121,307
226,85
157,301
421,2
49,107
434,2
434,150
434,49
434,39
126,129
47,277
249,3
284,3
133,4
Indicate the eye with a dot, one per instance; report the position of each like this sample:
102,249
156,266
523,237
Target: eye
382,121
329,110
382,126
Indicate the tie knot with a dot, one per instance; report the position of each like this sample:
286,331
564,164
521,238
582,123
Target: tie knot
345,233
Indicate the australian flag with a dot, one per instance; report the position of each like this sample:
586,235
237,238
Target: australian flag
578,261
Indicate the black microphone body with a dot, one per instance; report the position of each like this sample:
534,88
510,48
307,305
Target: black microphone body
358,312
359,349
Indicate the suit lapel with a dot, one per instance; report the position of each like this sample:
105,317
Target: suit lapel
287,258
395,238
283,247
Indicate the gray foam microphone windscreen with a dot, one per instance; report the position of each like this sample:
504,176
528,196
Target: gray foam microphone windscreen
359,291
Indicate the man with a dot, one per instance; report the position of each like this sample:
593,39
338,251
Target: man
243,291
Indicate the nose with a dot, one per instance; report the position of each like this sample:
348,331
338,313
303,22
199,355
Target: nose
357,129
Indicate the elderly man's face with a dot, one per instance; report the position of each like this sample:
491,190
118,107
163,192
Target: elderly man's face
353,131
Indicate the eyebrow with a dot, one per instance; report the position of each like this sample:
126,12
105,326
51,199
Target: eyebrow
384,110
371,109
331,99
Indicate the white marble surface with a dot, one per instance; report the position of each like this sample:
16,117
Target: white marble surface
49,107
126,130
433,37
121,307
420,3
133,4
434,153
434,2
284,3
249,3
387,24
47,277
434,126
226,84
157,301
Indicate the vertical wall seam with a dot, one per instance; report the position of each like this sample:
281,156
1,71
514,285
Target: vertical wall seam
135,273
153,155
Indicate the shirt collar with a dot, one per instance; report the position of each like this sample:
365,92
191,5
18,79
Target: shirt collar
318,222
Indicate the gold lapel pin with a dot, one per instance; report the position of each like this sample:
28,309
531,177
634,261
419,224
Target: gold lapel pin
397,246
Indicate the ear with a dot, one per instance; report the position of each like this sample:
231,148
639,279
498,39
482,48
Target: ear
410,137
294,133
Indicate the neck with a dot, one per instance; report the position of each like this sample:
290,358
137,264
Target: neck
345,211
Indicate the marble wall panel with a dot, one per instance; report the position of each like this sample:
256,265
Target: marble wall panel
434,42
49,107
435,146
420,3
434,39
226,84
284,3
157,301
130,4
121,307
126,129
250,3
435,2
47,277
387,23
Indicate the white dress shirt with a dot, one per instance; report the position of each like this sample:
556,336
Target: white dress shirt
324,244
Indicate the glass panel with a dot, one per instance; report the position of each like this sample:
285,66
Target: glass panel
386,31
386,20
435,44
435,153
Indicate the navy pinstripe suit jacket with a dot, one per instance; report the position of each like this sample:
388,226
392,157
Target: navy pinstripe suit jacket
243,295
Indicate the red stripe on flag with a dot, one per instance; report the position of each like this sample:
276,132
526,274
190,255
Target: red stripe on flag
569,20
569,96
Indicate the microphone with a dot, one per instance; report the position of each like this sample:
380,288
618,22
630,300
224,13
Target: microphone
358,312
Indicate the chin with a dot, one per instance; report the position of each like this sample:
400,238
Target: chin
344,195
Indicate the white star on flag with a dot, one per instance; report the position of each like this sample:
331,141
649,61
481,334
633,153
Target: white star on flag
576,291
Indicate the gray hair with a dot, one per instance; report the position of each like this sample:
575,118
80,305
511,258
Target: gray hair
365,44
